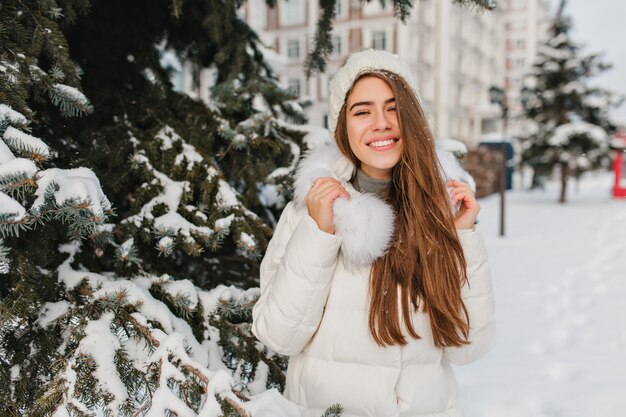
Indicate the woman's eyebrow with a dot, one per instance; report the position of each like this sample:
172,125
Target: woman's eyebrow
369,103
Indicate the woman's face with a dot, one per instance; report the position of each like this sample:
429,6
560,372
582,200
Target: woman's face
373,129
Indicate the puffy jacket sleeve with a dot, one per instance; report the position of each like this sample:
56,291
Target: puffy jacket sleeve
477,294
296,274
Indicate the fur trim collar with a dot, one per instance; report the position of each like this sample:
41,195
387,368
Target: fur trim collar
365,222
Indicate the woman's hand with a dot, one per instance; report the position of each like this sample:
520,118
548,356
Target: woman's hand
461,193
319,202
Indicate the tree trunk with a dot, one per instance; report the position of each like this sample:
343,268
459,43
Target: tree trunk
564,178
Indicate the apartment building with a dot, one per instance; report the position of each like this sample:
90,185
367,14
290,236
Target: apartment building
526,27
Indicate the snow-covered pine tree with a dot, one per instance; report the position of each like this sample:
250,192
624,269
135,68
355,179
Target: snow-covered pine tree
569,121
127,209
113,293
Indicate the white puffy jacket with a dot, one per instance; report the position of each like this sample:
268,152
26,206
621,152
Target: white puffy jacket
314,308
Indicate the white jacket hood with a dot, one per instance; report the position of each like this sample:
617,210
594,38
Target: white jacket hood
365,222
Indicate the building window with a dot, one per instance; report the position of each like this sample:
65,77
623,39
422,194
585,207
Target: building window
373,8
325,123
488,125
520,43
514,82
294,86
336,45
257,14
379,40
338,8
516,63
291,12
518,24
293,48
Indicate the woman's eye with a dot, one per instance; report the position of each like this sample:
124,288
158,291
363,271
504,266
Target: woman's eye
392,108
361,112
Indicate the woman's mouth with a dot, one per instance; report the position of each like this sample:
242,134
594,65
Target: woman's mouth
383,144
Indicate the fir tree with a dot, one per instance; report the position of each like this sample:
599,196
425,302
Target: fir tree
102,300
570,129
131,216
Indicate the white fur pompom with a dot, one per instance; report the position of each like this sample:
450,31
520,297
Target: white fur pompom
365,224
319,162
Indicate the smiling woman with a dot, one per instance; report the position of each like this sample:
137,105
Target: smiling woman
376,333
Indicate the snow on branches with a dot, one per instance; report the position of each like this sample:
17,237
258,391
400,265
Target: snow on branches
120,328
70,100
569,124
174,214
73,196
7,114
579,145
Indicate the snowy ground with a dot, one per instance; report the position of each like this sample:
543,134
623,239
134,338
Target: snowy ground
560,287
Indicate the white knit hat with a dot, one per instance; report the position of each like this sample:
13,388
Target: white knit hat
359,63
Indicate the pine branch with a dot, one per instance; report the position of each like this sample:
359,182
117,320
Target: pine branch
4,124
176,8
77,214
402,9
18,184
71,102
335,410
9,227
229,400
5,261
236,311
479,4
316,60
126,255
32,152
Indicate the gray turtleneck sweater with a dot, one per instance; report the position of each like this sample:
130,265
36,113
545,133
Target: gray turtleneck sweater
365,184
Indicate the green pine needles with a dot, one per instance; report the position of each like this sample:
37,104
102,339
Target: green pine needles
335,410
5,261
70,101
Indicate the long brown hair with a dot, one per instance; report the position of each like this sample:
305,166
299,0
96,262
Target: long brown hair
425,263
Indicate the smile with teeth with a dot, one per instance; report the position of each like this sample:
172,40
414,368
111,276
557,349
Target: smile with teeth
381,143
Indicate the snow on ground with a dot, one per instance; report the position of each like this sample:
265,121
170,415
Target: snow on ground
560,287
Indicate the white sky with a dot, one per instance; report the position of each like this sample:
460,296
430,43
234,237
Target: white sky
600,25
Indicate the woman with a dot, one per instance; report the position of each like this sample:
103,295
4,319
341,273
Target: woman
376,278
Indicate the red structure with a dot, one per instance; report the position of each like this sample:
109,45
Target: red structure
619,166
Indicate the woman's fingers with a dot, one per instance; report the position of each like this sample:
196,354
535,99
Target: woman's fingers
319,185
324,180
462,197
319,201
322,188
457,187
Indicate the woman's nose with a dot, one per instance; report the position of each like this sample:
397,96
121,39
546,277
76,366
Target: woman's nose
381,121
